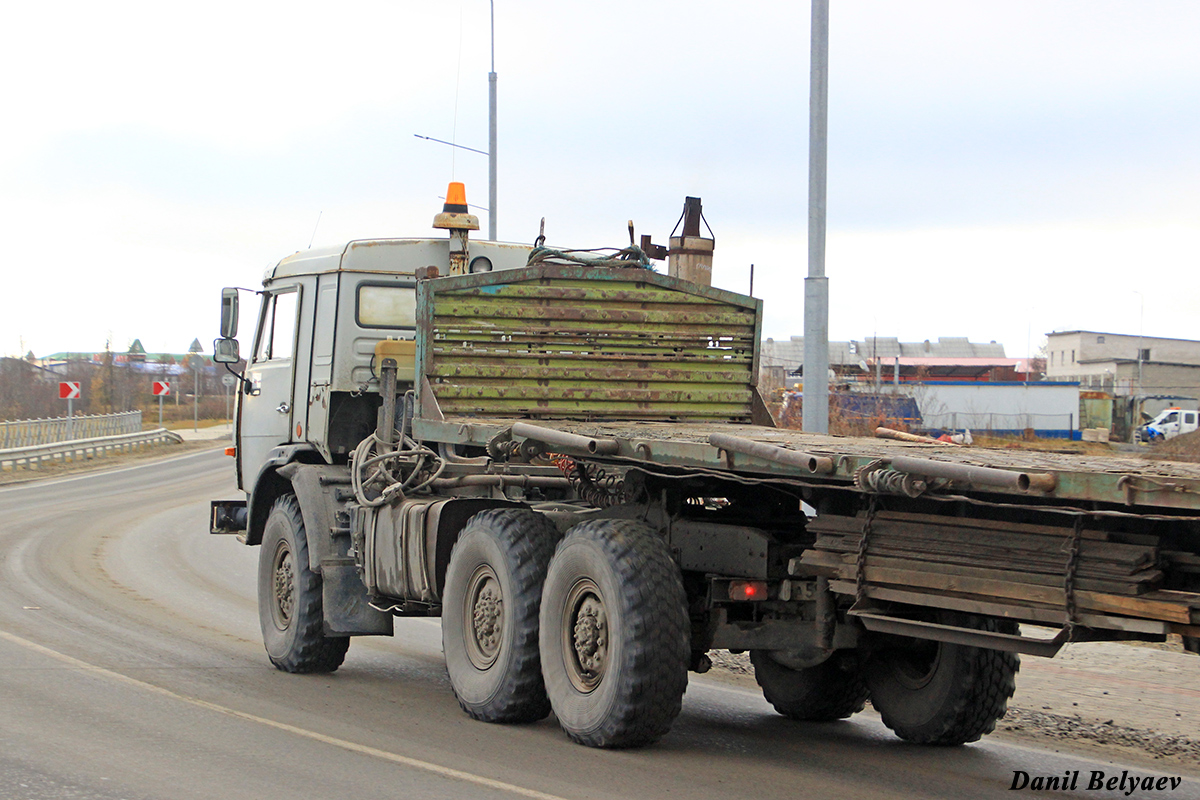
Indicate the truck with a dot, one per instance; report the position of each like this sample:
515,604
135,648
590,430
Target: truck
566,458
1169,423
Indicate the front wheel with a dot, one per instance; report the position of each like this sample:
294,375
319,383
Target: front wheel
289,597
941,693
614,635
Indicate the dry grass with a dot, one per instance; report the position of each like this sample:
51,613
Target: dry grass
1045,445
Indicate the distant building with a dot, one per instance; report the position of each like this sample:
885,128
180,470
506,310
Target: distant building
136,357
954,383
1125,364
885,359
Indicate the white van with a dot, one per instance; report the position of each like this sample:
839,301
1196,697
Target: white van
1169,423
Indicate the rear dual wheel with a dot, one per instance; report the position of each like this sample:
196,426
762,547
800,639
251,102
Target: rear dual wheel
490,614
614,634
831,690
942,693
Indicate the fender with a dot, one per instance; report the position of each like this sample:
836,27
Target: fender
269,485
323,492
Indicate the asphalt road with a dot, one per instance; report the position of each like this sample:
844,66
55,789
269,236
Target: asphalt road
131,667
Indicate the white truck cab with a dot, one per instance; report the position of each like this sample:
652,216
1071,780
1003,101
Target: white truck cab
1169,423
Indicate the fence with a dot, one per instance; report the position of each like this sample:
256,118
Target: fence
32,457
31,432
1060,426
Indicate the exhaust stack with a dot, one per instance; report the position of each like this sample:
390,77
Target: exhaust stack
454,218
691,254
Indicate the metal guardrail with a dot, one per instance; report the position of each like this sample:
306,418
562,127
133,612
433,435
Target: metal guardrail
76,449
28,432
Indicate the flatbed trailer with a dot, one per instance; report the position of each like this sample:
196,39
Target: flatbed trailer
971,492
571,465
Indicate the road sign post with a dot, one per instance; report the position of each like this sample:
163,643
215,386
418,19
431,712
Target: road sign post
228,381
69,390
161,389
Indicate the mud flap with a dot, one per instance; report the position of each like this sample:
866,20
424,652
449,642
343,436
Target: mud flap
344,598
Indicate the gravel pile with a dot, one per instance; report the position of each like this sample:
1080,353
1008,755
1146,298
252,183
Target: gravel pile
1055,726
728,662
1181,448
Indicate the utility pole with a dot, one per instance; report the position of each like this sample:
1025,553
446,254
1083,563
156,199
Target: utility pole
815,417
196,362
492,134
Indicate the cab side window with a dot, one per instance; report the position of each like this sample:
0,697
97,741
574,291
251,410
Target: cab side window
277,332
388,305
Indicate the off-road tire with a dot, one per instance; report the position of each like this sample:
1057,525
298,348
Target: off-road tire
490,614
614,635
289,597
940,693
833,689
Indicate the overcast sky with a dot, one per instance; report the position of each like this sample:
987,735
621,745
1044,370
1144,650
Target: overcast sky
997,169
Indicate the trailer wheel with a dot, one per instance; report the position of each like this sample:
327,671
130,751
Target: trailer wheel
940,693
490,614
614,635
833,689
289,597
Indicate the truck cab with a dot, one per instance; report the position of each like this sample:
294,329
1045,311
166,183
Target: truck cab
1169,423
310,389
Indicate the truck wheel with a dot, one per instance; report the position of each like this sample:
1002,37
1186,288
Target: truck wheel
614,635
940,693
289,597
833,689
490,614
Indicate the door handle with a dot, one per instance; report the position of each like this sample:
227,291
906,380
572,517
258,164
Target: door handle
283,407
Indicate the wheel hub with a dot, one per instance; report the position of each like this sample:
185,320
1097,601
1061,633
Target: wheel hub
591,634
485,609
915,668
586,630
284,581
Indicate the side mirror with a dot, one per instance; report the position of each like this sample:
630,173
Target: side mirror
229,313
225,351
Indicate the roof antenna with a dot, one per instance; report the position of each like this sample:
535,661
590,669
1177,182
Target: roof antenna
314,236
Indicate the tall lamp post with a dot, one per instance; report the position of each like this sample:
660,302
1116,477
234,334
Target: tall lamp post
492,133
196,362
493,199
815,415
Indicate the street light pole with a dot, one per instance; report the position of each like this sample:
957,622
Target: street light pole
492,133
815,416
195,394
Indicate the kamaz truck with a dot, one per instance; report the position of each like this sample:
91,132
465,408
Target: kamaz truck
564,455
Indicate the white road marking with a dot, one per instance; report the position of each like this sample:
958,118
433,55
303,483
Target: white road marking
354,747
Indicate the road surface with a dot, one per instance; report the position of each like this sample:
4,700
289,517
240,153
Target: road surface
131,667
